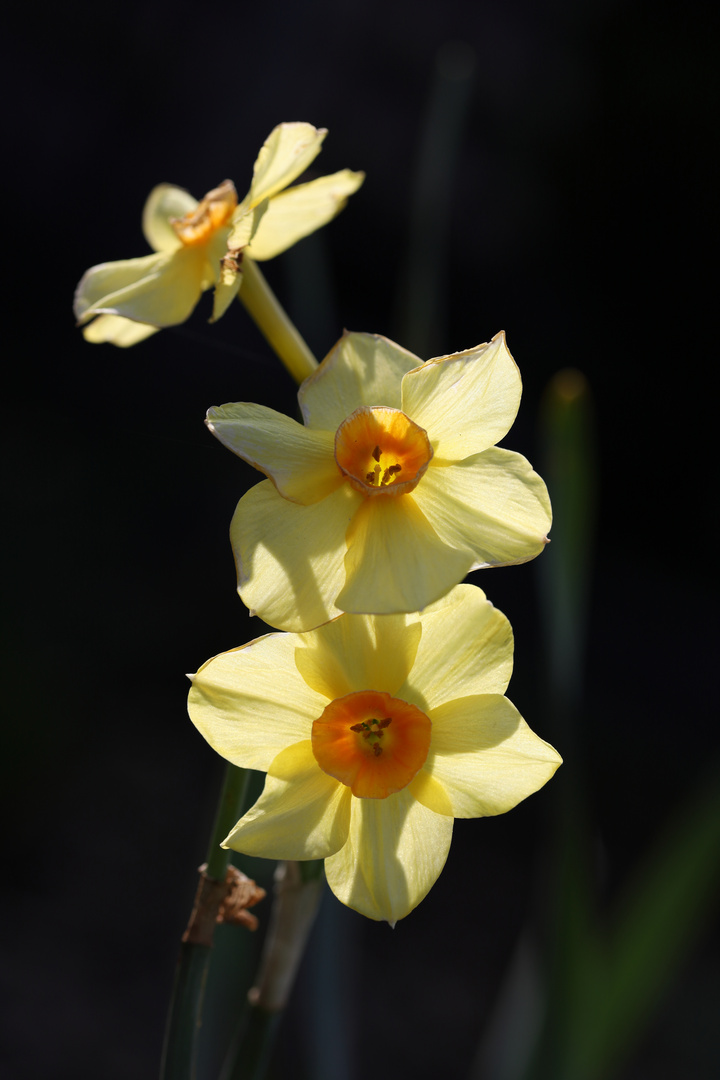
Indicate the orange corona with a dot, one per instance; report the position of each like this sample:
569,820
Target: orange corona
210,214
382,451
372,742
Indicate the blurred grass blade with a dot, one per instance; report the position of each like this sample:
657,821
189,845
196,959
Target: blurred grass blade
569,466
422,282
663,911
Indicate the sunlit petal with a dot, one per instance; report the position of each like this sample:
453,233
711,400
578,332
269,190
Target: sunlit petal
300,210
493,505
164,202
226,290
117,331
395,560
362,369
359,652
485,756
302,813
290,557
466,648
160,289
299,462
251,703
285,154
467,402
395,851
106,280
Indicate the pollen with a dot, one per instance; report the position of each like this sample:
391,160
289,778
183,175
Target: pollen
371,742
210,214
382,451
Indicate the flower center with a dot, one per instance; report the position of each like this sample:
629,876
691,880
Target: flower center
381,451
371,742
210,214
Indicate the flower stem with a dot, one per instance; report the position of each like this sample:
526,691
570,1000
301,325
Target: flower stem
271,318
298,890
184,1017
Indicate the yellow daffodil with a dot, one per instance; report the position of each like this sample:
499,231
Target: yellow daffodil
391,492
375,732
200,245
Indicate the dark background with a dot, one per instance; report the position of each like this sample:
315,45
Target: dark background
579,221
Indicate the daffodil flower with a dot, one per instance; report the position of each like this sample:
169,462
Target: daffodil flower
375,732
201,245
391,492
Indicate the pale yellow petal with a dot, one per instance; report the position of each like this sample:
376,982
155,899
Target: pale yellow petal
117,331
430,792
108,279
485,756
466,648
395,560
492,505
244,224
226,290
466,402
302,813
164,202
160,289
290,557
251,703
359,652
285,154
300,463
395,851
362,369
300,210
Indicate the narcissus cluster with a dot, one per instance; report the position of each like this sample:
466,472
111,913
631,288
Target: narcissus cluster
378,713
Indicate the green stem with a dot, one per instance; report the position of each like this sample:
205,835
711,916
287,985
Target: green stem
271,318
185,1015
298,890
229,810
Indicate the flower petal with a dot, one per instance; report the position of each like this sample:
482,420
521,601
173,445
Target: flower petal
285,154
289,557
302,813
358,652
251,703
485,756
226,289
395,560
117,331
300,463
492,504
430,792
300,210
466,648
106,279
157,289
466,402
164,202
243,226
395,851
362,369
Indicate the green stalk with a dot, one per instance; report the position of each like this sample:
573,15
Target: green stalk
298,891
185,1015
272,320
